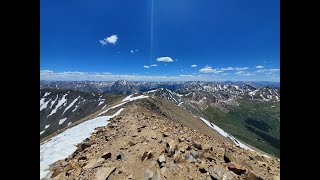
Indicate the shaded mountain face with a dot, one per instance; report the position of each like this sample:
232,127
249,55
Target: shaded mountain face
61,108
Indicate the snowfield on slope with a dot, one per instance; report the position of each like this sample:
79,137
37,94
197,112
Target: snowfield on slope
223,133
63,145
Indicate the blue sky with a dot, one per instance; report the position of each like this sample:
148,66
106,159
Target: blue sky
160,40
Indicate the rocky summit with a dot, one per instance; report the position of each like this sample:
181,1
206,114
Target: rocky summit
144,143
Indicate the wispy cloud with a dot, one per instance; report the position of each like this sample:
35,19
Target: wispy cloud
208,69
146,66
267,70
259,67
224,74
241,68
194,65
111,40
244,73
164,59
228,69
131,51
234,68
186,75
154,65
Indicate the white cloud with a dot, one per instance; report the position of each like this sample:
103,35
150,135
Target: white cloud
228,69
268,70
146,66
208,69
46,71
244,73
224,74
165,59
194,65
259,67
186,75
131,51
154,65
234,68
241,69
137,50
111,40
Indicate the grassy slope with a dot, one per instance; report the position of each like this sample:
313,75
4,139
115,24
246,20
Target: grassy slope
256,123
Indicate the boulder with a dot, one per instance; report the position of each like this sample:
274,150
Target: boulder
203,167
190,158
104,172
146,155
197,145
229,157
147,175
161,161
106,155
219,172
171,147
156,176
236,168
253,176
120,156
178,158
173,168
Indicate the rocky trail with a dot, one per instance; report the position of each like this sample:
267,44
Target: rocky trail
145,144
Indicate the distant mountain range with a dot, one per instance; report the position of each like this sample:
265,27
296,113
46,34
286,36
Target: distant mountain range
129,87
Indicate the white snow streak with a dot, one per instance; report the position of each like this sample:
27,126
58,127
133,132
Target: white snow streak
127,98
42,132
223,133
47,126
71,104
46,94
101,102
62,120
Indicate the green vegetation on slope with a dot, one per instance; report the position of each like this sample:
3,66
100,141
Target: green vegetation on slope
256,123
112,98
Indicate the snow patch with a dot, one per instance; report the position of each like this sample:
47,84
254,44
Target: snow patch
64,144
71,104
101,102
127,98
62,120
47,126
223,133
151,91
42,132
46,94
63,99
43,105
69,123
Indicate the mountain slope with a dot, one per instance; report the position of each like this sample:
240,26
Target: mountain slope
60,108
250,114
148,140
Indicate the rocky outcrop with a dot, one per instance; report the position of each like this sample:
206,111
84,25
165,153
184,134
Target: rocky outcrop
140,144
